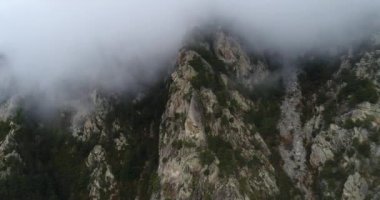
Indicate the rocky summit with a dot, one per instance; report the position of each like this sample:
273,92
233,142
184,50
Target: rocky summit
225,122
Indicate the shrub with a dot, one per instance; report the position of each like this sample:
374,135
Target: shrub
4,129
188,144
359,90
224,152
206,157
265,117
374,137
330,112
178,144
204,77
268,90
316,72
365,123
222,96
334,175
225,121
210,57
363,148
254,162
229,158
155,182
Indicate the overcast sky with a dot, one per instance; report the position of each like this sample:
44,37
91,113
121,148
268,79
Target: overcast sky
49,45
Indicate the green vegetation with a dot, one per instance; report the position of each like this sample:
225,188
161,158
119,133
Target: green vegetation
374,137
285,184
243,186
226,154
357,91
229,158
140,158
224,120
209,55
316,71
331,170
53,166
363,148
206,157
268,90
54,161
222,96
4,129
179,144
334,177
205,78
331,178
211,58
365,123
330,112
265,117
155,182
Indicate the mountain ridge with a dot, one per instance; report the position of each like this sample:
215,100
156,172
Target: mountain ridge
225,124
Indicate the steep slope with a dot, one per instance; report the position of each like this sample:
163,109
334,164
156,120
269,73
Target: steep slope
109,150
207,150
341,123
226,123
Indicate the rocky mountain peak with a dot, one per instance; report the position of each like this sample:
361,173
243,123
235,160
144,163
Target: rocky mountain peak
226,123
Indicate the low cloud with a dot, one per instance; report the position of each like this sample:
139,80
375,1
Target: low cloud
57,47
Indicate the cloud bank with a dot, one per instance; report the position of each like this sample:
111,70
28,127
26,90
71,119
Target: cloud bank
296,25
59,46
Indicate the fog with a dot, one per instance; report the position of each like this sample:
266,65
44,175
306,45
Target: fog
57,47
296,25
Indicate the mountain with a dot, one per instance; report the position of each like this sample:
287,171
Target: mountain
226,122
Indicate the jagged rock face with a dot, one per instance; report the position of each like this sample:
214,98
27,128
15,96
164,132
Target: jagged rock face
292,149
8,108
224,124
106,151
232,54
315,142
102,181
344,130
200,115
355,187
9,157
